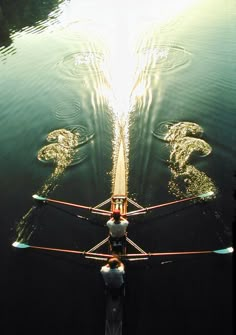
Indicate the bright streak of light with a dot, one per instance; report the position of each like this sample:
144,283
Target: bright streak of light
121,23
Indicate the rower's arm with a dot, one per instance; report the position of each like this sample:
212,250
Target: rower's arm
121,268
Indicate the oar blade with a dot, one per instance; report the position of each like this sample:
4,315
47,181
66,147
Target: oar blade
20,245
206,195
38,197
224,251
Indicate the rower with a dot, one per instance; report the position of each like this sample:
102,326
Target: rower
117,229
113,276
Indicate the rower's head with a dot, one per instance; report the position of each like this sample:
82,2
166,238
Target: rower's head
116,214
114,262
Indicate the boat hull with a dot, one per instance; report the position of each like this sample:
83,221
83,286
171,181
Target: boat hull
114,312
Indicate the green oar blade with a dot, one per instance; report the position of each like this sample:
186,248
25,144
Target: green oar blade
38,197
20,245
224,251
205,195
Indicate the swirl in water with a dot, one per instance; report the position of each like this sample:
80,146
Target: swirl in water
186,180
63,153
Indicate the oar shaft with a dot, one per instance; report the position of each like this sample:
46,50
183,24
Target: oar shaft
170,253
68,203
84,253
91,209
172,202
145,210
224,251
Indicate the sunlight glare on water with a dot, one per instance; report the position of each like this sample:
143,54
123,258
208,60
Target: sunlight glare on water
120,25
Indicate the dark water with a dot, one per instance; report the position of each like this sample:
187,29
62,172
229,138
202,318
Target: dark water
169,72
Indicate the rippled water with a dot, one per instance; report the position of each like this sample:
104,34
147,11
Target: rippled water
77,73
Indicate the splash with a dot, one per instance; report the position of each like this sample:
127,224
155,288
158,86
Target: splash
186,180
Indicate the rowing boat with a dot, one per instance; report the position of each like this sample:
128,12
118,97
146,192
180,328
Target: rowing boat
119,200
115,305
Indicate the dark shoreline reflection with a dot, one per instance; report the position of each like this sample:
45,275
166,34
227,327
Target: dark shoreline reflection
16,15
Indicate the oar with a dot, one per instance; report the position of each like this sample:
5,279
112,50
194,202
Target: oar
91,209
145,210
78,252
127,256
179,253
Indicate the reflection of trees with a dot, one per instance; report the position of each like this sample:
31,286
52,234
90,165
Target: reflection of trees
15,15
4,30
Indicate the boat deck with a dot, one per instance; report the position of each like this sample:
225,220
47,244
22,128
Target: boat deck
120,172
